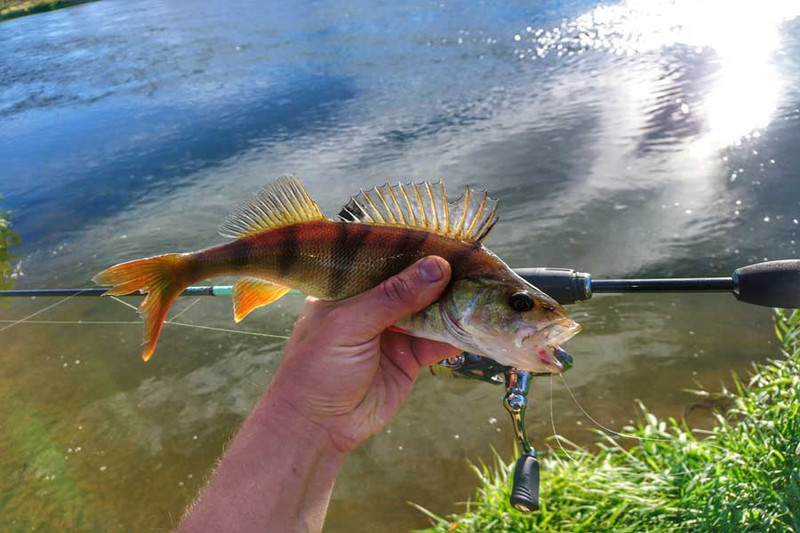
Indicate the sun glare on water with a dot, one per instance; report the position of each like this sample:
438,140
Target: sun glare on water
744,36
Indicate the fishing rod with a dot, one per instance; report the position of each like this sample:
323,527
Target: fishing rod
771,284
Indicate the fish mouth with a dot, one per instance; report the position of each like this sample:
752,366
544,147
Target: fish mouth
550,353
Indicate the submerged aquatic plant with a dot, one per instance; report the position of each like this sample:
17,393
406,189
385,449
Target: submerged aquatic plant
741,476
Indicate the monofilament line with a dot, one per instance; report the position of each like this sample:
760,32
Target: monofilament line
138,323
636,437
629,436
185,309
601,426
39,312
553,424
226,330
171,321
27,320
123,302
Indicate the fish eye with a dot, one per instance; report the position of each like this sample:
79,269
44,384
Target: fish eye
521,301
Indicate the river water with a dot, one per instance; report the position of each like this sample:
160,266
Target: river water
633,139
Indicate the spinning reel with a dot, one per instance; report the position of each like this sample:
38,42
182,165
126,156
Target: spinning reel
525,491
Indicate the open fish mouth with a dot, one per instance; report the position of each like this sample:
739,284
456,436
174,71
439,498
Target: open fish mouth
561,332
555,358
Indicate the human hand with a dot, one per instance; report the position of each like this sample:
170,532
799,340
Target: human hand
344,371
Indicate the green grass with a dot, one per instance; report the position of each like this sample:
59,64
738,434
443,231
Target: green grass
741,476
10,9
7,239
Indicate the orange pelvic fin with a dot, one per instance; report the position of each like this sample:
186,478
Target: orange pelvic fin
159,278
252,293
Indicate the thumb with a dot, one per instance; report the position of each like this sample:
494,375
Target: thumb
410,291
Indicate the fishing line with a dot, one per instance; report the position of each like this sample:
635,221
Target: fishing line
637,437
139,322
553,424
601,426
123,302
223,330
185,309
110,322
226,330
39,312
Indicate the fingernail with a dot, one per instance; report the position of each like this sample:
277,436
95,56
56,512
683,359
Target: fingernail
430,270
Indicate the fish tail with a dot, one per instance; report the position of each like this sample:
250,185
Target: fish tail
161,278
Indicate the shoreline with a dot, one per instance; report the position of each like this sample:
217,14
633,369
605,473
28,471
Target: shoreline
743,473
21,8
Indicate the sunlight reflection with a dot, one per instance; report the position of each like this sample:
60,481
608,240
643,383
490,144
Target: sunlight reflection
747,87
743,35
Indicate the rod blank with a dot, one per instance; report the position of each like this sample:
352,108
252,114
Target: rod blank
663,285
211,290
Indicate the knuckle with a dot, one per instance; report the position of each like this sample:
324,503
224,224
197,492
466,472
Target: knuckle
397,290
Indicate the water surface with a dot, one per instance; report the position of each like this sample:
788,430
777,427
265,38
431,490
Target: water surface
630,139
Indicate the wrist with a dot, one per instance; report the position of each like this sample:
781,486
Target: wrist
278,473
277,412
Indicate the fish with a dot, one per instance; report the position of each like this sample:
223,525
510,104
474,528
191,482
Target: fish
281,240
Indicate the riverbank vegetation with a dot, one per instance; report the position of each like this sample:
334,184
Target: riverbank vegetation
7,239
741,476
10,9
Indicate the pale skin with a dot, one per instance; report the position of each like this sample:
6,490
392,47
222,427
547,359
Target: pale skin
344,375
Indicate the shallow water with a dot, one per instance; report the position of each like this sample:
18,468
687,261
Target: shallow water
632,139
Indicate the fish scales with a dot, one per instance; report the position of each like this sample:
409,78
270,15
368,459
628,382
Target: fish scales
334,260
283,241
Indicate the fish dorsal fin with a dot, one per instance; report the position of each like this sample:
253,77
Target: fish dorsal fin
252,293
282,202
424,206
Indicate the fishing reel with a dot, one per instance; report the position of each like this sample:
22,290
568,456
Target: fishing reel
525,488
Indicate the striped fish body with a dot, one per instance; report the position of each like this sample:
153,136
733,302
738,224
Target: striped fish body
283,241
335,260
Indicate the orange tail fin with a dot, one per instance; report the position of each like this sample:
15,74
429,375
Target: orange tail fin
160,278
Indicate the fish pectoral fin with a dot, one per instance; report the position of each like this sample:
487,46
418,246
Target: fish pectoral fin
252,293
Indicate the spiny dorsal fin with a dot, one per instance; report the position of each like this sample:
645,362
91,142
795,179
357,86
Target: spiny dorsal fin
424,206
284,201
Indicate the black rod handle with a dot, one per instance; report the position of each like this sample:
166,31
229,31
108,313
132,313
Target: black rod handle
525,490
773,284
564,285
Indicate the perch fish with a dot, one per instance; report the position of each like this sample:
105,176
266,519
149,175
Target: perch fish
283,241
